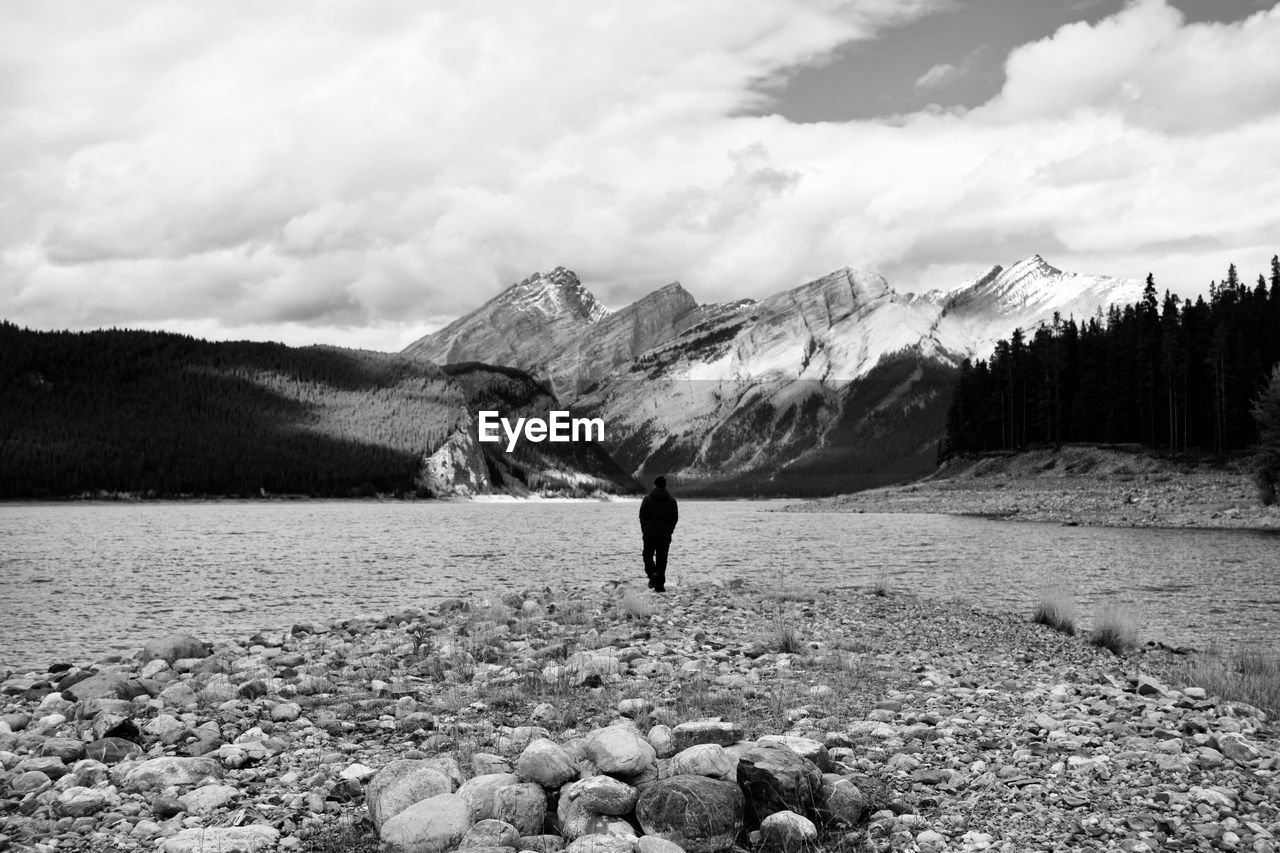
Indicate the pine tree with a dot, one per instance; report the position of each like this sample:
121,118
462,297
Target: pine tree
1266,413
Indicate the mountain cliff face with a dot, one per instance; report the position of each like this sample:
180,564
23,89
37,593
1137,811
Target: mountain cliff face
841,381
551,326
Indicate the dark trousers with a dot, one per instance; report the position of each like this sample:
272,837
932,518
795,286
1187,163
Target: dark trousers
656,546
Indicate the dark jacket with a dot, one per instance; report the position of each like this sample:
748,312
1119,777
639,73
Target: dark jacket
658,513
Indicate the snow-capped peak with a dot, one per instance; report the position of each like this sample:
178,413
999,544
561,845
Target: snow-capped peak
557,293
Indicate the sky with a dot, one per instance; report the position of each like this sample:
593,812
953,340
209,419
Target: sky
360,173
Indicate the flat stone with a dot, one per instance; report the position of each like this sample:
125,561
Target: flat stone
719,732
208,799
802,746
222,839
112,750
158,773
81,802
69,750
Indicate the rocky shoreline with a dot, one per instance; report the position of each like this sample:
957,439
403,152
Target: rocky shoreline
1077,485
609,719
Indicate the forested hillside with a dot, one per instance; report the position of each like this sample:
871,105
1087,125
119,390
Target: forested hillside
1174,375
149,412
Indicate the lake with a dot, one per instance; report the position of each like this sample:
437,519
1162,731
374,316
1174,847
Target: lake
81,580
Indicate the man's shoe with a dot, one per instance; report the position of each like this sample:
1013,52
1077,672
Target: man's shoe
659,589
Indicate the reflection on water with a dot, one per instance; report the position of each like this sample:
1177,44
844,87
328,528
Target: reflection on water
80,580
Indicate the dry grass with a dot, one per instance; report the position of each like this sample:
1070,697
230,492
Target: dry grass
786,637
1056,610
635,604
1114,629
1244,675
349,836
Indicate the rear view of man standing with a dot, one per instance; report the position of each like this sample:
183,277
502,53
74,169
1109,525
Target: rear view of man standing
658,517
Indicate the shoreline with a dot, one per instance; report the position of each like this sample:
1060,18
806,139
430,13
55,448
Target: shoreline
960,728
1083,486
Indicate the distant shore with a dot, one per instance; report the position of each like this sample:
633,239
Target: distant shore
1077,485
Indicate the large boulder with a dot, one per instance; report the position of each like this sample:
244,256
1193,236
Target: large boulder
523,805
787,832
434,825
775,779
545,762
620,750
105,685
843,801
601,843
603,795
705,759
399,785
175,647
481,791
701,814
490,833
576,820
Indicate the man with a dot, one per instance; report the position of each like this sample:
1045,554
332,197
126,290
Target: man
658,517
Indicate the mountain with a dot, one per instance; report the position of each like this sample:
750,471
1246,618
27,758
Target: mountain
551,326
1027,294
841,382
109,412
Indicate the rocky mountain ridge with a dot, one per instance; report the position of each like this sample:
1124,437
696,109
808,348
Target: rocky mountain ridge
717,392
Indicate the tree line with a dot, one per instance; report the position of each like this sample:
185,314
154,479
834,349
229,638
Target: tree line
84,413
1173,375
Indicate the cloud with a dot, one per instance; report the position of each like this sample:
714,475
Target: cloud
359,173
939,77
1146,64
945,74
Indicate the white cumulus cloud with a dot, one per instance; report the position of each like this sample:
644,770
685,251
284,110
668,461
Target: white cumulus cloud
358,173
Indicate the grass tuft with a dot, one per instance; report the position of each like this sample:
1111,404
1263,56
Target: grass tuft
1114,629
786,637
1056,610
349,836
635,605
1244,675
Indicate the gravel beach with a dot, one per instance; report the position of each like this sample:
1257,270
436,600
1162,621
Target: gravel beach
1077,485
713,717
